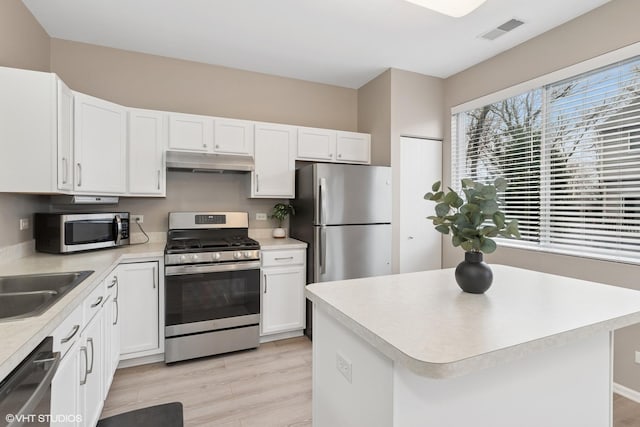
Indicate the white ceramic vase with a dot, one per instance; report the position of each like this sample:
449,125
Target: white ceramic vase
279,233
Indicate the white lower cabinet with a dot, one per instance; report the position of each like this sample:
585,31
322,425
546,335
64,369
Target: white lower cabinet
65,390
282,291
111,332
91,370
139,309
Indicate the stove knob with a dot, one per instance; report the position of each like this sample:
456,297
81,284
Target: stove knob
194,257
237,255
183,258
216,256
247,254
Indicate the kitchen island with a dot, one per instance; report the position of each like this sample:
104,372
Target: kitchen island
413,350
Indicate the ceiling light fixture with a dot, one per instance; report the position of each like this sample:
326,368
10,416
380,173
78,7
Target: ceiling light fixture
455,8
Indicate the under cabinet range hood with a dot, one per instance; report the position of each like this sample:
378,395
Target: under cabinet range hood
205,162
84,200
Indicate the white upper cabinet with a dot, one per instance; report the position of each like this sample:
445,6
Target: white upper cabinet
147,143
233,137
353,147
274,172
100,146
28,131
65,136
188,132
316,144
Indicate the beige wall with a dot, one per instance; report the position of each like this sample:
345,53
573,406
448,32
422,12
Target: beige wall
155,82
374,116
23,44
416,110
607,28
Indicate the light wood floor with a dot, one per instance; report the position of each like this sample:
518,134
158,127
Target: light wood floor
268,387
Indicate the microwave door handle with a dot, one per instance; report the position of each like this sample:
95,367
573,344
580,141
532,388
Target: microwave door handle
117,222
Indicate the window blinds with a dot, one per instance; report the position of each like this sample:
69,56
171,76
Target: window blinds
571,153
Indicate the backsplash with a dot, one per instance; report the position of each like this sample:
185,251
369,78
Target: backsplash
188,191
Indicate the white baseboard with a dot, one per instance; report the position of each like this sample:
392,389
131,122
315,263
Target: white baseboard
154,358
627,392
282,336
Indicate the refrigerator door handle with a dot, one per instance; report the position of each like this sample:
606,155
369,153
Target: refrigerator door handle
323,201
323,250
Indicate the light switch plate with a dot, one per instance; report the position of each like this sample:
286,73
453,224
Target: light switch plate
24,224
261,216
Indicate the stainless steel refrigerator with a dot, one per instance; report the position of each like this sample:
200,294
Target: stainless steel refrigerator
343,212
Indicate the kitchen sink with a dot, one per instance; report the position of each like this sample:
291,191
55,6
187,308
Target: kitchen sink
30,295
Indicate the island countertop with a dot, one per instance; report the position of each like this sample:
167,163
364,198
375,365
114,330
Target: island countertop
425,322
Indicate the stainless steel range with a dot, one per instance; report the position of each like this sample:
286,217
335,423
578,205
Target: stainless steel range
212,285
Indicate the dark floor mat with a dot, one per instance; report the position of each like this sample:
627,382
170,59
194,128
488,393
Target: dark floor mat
167,415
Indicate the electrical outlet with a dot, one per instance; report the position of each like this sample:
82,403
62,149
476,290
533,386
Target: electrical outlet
343,365
137,218
261,217
24,224
638,357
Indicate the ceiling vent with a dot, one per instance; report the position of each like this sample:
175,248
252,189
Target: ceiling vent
502,29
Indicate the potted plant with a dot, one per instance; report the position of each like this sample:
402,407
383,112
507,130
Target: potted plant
280,212
472,223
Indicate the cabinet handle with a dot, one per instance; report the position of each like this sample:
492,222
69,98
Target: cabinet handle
86,365
339,156
97,303
158,179
73,333
79,175
65,170
265,283
330,155
115,322
257,183
90,370
411,237
154,281
217,145
113,282
283,258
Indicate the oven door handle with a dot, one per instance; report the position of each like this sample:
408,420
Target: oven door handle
29,407
177,270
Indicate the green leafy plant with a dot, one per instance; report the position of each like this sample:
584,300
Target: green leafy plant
281,211
473,223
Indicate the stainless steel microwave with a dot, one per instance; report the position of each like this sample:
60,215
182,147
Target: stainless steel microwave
61,233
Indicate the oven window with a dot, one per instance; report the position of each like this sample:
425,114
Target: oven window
92,231
209,296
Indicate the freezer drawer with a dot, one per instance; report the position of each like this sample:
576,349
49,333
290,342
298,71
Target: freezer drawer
351,251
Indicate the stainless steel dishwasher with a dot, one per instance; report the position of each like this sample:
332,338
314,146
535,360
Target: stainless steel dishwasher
25,395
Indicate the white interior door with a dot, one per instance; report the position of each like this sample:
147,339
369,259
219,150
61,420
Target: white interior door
420,167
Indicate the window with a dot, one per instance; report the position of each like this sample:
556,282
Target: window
571,153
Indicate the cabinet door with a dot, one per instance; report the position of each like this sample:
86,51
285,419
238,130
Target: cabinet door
283,301
113,285
138,301
233,137
65,137
147,141
28,159
353,147
188,132
316,144
91,370
274,161
65,390
100,146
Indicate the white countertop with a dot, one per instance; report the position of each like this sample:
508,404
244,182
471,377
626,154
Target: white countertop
271,243
425,322
18,338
